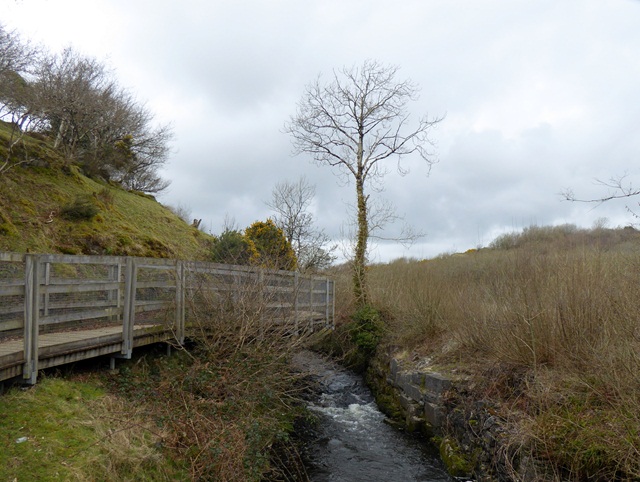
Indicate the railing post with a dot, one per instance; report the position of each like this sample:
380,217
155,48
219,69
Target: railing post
114,296
128,319
326,301
296,280
31,317
47,280
180,302
311,306
261,302
333,304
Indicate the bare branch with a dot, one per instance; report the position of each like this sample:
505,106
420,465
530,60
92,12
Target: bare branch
619,189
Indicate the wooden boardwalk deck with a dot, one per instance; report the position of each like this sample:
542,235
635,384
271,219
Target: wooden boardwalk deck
70,346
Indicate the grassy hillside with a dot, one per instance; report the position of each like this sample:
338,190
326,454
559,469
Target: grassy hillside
47,206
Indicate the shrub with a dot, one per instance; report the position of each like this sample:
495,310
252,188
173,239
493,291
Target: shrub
82,208
231,247
367,329
271,247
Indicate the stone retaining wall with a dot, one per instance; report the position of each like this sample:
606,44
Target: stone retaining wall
419,392
469,434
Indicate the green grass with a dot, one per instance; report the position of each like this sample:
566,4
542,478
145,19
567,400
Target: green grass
65,429
34,197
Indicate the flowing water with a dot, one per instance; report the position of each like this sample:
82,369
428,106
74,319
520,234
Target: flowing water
352,441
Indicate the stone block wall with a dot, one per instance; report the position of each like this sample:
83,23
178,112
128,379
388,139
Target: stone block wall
468,432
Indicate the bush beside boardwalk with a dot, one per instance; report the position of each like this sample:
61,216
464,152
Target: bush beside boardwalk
222,410
545,326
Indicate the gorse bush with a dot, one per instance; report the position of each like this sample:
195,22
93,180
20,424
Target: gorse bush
270,247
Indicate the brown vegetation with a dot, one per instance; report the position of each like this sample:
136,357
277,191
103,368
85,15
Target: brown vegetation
226,405
552,310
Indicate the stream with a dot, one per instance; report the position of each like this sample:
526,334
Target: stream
352,441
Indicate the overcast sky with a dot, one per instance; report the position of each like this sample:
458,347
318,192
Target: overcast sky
539,96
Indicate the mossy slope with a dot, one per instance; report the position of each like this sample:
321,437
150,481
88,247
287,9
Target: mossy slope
35,195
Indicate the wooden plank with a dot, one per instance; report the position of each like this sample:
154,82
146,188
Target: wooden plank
14,309
12,371
155,263
65,343
216,268
145,306
79,315
128,316
12,289
74,356
157,284
81,259
89,281
69,341
79,286
80,305
29,304
180,302
11,257
14,324
11,350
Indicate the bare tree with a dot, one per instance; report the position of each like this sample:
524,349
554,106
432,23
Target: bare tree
291,202
98,125
73,92
358,123
16,55
17,59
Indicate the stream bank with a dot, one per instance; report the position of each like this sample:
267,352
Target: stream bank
469,433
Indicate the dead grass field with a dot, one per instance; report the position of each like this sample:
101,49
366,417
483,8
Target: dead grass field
559,307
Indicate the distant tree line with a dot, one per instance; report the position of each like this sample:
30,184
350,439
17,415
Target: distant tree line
78,104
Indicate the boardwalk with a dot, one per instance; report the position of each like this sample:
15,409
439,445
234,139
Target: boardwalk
71,346
57,309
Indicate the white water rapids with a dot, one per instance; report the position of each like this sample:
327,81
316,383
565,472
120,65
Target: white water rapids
352,442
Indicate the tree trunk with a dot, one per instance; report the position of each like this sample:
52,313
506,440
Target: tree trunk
359,262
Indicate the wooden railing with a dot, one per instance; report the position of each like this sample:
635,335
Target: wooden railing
42,294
